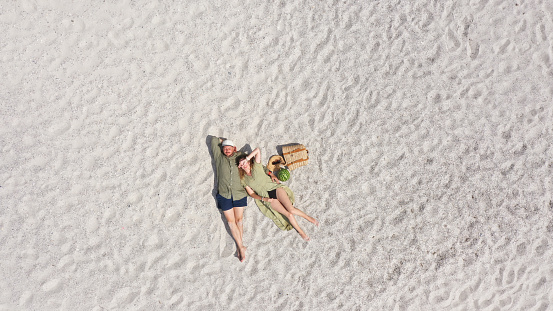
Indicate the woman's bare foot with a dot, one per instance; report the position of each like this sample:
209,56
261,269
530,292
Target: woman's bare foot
312,220
242,253
305,237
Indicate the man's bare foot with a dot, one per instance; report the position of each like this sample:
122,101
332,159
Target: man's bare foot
242,253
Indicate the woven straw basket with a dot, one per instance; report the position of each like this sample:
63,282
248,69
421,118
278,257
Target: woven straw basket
295,156
275,163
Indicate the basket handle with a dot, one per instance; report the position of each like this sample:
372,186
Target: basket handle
296,150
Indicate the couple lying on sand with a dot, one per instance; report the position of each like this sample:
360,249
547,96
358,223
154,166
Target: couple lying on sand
239,173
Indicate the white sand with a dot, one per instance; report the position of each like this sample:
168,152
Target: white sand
429,125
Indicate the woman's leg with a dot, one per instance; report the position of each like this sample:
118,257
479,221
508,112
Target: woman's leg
282,196
275,204
229,215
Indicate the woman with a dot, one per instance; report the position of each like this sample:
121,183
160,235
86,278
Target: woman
261,187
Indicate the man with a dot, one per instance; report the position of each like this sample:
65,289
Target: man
231,196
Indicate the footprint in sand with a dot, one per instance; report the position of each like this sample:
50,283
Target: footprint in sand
26,298
52,286
541,248
453,42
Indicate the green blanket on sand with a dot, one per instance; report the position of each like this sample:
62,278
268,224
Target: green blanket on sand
280,220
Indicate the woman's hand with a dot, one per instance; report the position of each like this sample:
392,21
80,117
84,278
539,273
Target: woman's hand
242,163
274,178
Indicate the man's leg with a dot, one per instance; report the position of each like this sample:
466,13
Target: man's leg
226,206
229,215
238,207
238,217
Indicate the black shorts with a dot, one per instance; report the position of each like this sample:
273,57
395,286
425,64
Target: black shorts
272,194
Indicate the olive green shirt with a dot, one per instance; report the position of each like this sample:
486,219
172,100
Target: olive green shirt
227,172
259,181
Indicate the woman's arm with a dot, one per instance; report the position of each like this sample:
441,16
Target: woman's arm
255,195
273,177
255,153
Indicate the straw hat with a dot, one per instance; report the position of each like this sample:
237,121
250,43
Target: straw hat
275,162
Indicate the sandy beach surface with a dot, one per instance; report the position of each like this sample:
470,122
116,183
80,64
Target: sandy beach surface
429,126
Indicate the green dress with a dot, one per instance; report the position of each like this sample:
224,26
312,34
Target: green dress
261,183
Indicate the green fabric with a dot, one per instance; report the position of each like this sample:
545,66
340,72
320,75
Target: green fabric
280,220
227,172
261,183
